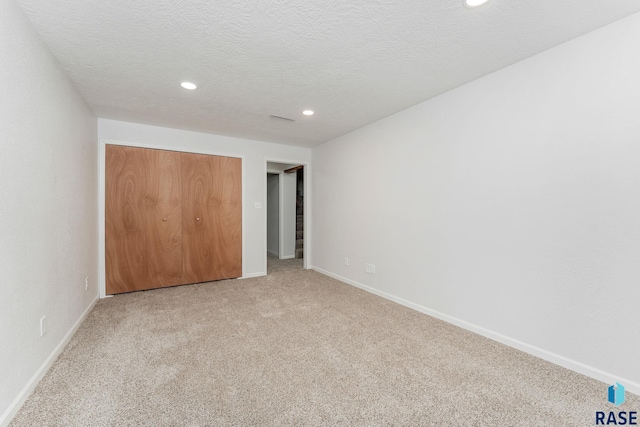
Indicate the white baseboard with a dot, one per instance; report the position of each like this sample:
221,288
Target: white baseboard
250,275
287,256
17,403
275,254
581,368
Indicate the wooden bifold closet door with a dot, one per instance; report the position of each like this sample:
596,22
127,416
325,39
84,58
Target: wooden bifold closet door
171,218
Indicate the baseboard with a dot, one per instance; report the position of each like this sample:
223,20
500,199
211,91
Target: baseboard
275,254
581,368
287,256
17,403
250,275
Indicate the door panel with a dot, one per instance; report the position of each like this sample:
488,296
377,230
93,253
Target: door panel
212,217
143,230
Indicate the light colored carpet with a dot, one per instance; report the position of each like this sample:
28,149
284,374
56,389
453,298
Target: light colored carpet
276,265
295,348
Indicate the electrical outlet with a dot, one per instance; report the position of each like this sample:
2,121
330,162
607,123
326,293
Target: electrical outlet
43,325
346,260
86,283
370,268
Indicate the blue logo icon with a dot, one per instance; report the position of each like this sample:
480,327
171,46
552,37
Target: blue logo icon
616,394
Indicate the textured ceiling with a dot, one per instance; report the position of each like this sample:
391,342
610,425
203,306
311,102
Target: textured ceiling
353,62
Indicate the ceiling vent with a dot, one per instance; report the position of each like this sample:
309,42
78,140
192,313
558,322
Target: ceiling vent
273,116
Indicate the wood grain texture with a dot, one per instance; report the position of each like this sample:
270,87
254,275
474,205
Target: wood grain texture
143,230
212,215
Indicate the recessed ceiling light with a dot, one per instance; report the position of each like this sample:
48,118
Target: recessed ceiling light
188,85
308,112
474,3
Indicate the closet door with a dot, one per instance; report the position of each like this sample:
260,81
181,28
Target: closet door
212,217
143,230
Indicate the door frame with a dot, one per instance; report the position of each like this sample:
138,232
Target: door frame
306,209
102,202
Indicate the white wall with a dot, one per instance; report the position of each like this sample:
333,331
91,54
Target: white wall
509,206
273,214
255,155
48,214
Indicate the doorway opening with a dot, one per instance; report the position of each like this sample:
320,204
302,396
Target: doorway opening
285,217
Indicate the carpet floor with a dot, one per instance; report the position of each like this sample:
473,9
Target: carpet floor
295,348
276,265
